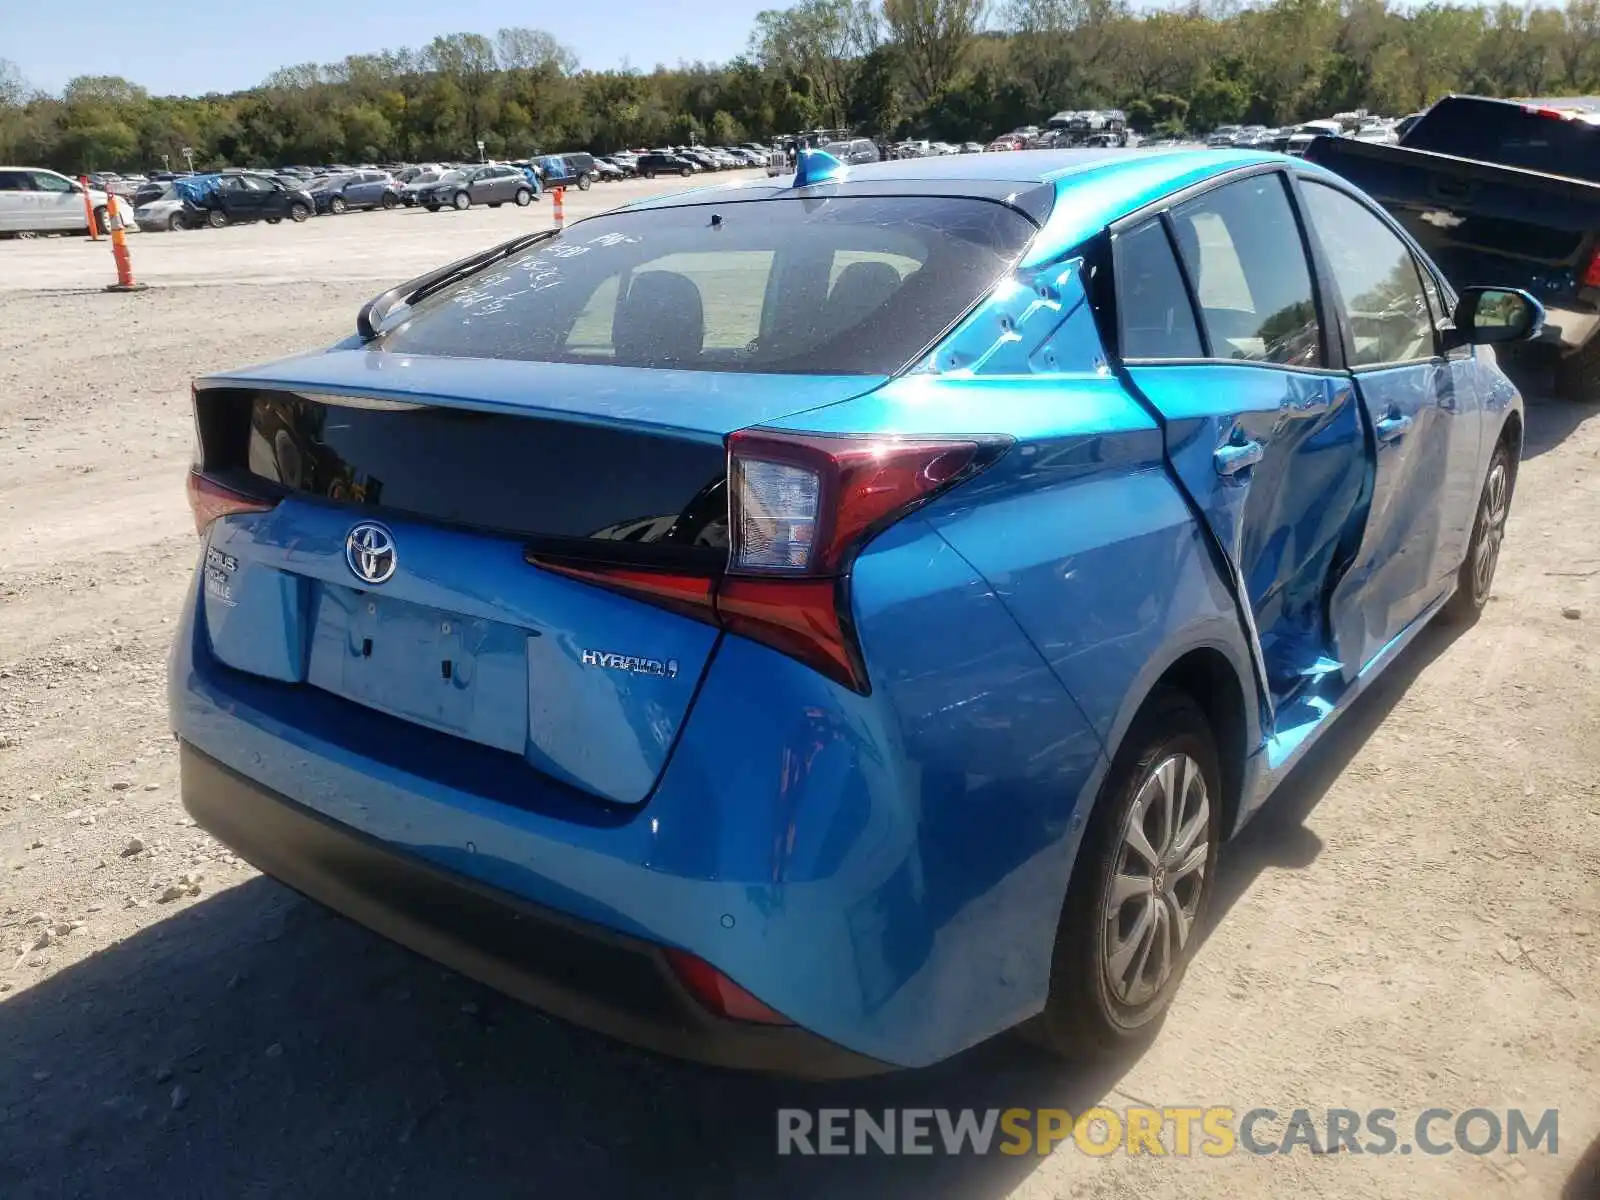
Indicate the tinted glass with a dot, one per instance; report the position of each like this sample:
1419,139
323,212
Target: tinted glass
15,181
1244,255
1157,319
1509,134
1390,319
851,285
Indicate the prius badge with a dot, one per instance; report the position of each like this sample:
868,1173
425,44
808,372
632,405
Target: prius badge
633,665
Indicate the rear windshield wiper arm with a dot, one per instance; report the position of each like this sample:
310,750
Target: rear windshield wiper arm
375,311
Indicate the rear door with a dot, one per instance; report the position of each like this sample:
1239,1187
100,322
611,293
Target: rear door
1263,428
1424,411
58,205
252,196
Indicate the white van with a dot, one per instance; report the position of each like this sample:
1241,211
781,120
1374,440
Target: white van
35,200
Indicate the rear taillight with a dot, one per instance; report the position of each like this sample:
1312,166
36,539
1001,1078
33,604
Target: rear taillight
800,507
1591,273
209,500
715,991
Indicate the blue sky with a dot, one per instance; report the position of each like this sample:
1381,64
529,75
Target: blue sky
194,46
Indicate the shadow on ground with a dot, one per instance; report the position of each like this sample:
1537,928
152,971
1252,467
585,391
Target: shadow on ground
1550,422
317,1060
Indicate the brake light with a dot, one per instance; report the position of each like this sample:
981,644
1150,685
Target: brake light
718,993
800,507
209,500
1544,110
1591,273
802,504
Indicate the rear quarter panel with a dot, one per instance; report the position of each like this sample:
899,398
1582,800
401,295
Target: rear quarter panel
1011,631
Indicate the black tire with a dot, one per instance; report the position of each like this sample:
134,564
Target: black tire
1578,374
177,221
649,174
524,197
584,183
686,172
102,222
390,202
461,201
433,208
273,220
337,206
1083,1017
298,213
1475,580
216,218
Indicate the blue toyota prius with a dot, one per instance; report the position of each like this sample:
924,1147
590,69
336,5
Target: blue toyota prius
818,624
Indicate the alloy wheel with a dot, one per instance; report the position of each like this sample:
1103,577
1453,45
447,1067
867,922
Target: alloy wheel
1491,528
1155,889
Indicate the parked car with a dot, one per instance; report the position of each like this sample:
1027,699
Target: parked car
408,175
567,170
492,185
613,168
1507,193
658,162
165,212
239,197
854,151
36,200
411,193
1302,135
346,190
874,680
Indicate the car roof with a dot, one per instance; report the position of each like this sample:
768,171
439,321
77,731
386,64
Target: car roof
1104,184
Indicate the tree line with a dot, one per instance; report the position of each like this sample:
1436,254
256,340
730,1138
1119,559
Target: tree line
954,69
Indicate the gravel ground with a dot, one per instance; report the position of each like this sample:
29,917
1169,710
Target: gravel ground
1414,922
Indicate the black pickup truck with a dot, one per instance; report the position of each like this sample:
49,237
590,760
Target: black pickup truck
1506,193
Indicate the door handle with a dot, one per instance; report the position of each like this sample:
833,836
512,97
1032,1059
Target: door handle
1236,457
1393,427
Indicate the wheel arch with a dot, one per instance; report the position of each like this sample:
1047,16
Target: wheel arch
1511,432
1216,675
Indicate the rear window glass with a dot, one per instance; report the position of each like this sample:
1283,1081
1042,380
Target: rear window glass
849,285
1510,135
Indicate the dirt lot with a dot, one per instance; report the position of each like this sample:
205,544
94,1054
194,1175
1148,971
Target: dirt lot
1414,923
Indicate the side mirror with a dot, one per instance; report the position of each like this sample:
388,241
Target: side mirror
1487,315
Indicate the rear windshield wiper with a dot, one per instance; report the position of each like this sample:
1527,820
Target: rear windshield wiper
375,311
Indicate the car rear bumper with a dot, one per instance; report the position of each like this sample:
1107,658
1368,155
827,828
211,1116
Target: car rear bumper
576,970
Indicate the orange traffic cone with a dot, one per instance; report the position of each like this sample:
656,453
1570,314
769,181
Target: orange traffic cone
88,209
556,198
119,251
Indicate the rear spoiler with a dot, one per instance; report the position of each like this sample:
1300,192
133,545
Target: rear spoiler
375,311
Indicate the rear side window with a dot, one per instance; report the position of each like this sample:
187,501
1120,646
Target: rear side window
1153,307
1245,257
1511,135
848,285
1389,314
